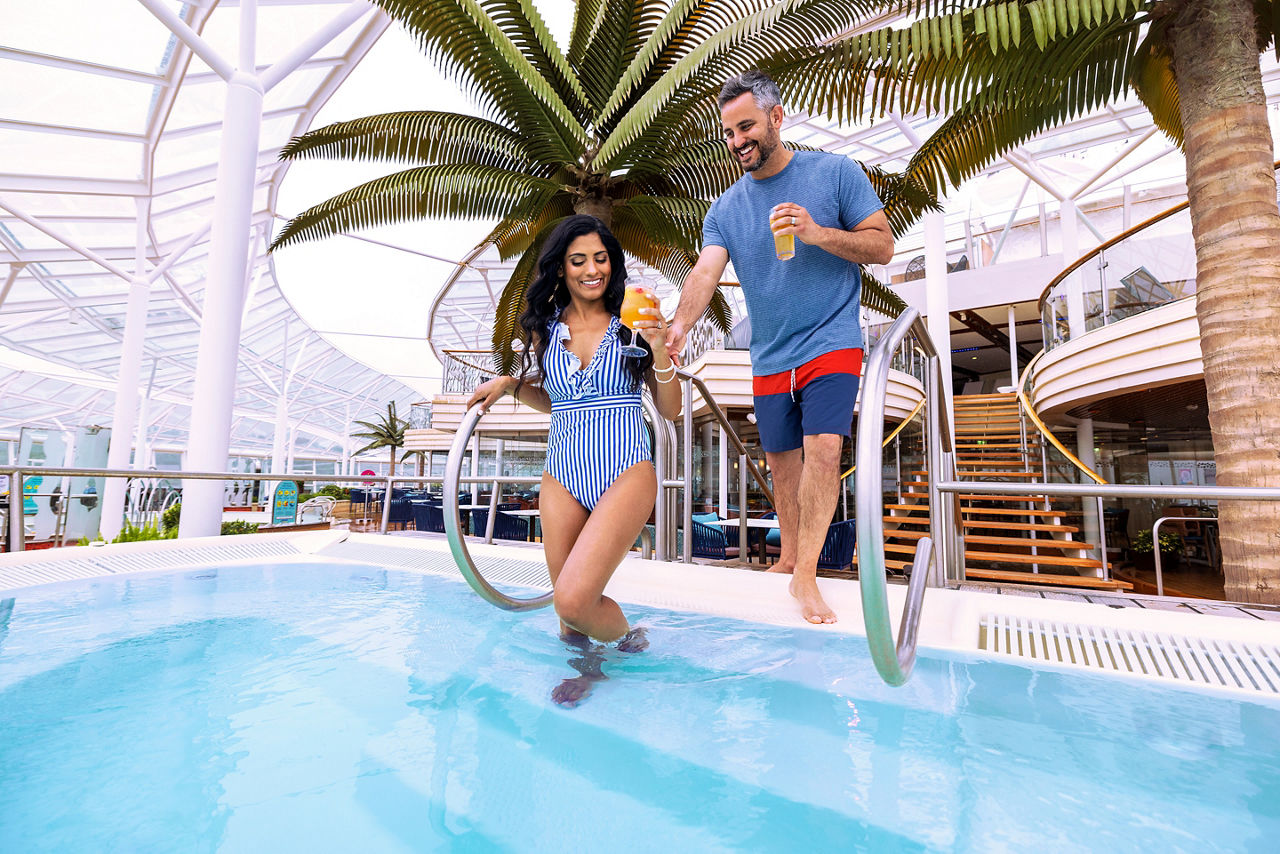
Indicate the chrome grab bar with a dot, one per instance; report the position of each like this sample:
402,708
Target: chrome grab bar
1155,542
894,662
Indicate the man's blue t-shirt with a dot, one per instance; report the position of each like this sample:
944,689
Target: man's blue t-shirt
808,306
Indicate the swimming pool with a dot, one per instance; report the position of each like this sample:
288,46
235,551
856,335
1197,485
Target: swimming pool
305,706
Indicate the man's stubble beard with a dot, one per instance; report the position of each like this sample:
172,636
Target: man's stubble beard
764,150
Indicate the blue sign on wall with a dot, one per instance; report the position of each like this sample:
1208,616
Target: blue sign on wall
285,507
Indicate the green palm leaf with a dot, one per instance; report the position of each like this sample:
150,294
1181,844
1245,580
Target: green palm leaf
464,191
506,328
422,136
461,38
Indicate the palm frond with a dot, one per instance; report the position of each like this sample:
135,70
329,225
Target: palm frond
521,22
702,170
464,43
421,136
605,35
511,303
905,200
669,220
877,297
1154,81
449,191
750,39
516,233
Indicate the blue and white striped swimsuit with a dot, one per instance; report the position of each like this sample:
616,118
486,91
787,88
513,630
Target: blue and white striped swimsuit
597,426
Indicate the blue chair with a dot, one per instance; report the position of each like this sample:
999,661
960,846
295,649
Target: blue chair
837,551
428,517
505,527
711,542
401,513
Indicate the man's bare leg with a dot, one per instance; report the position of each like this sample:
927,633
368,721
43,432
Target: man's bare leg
819,490
786,467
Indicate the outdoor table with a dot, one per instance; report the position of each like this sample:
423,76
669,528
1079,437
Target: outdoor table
761,527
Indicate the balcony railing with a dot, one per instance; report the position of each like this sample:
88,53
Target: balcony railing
1150,265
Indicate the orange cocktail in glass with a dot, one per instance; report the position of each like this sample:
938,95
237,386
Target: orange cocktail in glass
634,298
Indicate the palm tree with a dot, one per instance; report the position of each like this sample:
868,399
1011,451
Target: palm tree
386,432
1006,71
622,125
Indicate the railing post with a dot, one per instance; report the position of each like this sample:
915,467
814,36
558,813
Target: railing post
686,553
742,508
1102,541
17,538
386,502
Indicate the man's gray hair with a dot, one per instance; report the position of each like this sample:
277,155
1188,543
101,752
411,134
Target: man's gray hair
762,88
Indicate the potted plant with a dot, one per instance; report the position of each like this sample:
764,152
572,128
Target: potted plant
1142,553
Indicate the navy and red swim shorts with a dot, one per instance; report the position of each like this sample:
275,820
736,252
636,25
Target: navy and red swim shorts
816,397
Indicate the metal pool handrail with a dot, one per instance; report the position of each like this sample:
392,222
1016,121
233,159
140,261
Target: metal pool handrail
453,521
894,662
453,524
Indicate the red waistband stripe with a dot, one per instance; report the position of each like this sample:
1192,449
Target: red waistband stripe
835,362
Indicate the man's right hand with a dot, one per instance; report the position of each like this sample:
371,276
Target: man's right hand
676,336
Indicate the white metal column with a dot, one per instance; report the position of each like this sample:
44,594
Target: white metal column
937,304
1070,252
126,411
1013,347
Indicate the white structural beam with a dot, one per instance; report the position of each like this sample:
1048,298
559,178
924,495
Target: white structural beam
71,244
190,38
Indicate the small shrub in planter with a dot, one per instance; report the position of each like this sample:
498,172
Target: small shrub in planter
239,526
1170,550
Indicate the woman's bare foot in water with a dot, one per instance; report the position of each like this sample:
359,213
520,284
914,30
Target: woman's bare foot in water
634,641
812,605
574,690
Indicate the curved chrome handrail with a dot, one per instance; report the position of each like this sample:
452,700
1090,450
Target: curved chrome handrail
453,525
1025,400
893,662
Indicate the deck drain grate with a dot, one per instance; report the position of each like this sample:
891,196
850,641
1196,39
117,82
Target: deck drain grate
90,566
1219,662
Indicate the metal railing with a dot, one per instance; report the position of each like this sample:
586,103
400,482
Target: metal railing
1147,266
944,547
16,536
745,463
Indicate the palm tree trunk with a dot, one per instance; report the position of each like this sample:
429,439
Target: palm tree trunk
1234,220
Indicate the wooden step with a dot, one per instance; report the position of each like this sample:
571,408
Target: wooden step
1001,511
968,446
1025,542
924,507
972,474
1023,499
974,398
988,524
1045,578
1020,526
1046,560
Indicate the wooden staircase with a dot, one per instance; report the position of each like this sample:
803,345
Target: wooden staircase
1007,538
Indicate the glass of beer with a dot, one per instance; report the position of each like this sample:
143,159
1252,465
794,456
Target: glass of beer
634,298
784,245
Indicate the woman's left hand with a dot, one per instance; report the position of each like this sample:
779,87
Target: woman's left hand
653,329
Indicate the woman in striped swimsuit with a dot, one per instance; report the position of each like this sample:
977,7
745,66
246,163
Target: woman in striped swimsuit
599,485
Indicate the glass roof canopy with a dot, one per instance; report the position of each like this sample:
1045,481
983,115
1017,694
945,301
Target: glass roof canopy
108,121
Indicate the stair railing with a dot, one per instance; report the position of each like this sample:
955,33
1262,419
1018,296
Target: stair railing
894,661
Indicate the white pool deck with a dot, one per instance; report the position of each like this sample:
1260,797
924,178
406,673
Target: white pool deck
1213,647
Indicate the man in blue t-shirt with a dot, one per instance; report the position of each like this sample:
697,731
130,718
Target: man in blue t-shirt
806,341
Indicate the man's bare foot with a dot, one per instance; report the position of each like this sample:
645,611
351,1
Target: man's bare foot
634,641
779,567
812,605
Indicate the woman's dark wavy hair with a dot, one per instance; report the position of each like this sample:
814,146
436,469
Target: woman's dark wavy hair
548,294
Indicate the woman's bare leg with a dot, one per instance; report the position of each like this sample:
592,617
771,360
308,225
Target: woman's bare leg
609,532
562,520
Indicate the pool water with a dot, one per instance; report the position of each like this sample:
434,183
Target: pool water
308,707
